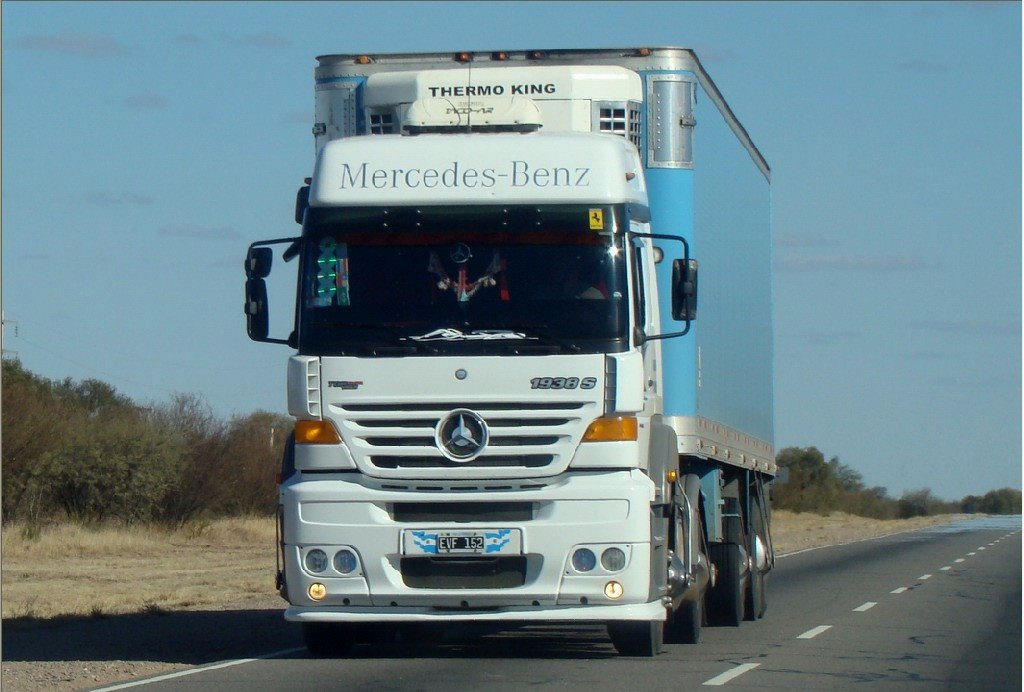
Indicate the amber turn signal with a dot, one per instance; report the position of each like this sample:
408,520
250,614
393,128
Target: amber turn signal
316,432
621,429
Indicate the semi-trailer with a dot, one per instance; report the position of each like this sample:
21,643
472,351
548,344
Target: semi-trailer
507,409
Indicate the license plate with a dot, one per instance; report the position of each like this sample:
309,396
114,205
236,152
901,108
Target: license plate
469,542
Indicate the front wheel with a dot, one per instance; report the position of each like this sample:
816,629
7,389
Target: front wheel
637,638
684,625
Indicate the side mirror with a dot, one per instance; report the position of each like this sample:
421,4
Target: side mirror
257,314
301,203
684,289
258,262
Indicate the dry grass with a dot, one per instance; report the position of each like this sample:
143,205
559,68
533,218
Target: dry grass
69,569
793,531
73,570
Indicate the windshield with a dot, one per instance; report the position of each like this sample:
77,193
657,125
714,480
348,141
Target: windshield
396,281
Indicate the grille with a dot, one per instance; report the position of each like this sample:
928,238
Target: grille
382,123
464,573
531,461
621,118
462,512
525,438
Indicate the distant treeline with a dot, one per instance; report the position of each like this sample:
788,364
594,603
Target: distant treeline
815,485
82,451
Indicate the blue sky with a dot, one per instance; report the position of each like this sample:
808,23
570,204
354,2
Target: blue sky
146,144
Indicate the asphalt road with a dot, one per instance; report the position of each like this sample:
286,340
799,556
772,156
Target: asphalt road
930,609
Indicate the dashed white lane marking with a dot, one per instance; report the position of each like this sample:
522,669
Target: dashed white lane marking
945,569
981,547
812,633
899,589
972,553
201,669
959,559
864,607
925,576
730,674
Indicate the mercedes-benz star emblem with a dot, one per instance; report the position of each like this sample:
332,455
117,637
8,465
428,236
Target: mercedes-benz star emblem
461,435
460,253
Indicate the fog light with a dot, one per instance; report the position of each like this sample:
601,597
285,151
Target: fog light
584,560
613,559
344,561
613,590
318,591
316,560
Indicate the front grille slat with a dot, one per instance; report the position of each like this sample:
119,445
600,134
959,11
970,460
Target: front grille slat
397,440
479,407
530,461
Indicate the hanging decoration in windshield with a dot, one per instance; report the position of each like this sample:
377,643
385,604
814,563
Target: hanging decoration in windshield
462,287
332,285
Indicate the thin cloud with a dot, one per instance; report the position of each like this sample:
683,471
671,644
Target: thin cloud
969,327
710,54
198,232
296,117
802,240
924,67
821,338
925,355
81,44
117,199
877,264
147,101
266,39
974,383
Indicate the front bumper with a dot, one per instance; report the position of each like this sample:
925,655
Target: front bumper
593,509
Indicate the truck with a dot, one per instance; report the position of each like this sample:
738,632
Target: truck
506,408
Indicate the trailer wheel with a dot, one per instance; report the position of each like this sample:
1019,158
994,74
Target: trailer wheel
755,605
325,639
684,625
633,638
728,597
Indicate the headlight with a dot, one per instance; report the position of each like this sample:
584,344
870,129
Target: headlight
316,560
584,560
344,561
613,559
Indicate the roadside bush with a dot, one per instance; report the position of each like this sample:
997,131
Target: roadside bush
121,472
1002,501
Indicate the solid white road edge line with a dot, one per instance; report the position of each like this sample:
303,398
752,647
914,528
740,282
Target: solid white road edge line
812,633
200,669
730,674
865,607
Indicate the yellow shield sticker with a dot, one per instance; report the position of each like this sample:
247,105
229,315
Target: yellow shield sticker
597,219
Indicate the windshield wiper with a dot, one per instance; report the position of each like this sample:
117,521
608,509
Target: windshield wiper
407,344
535,331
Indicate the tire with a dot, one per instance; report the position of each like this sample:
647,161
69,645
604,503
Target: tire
754,606
684,625
326,640
727,600
637,638
757,600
